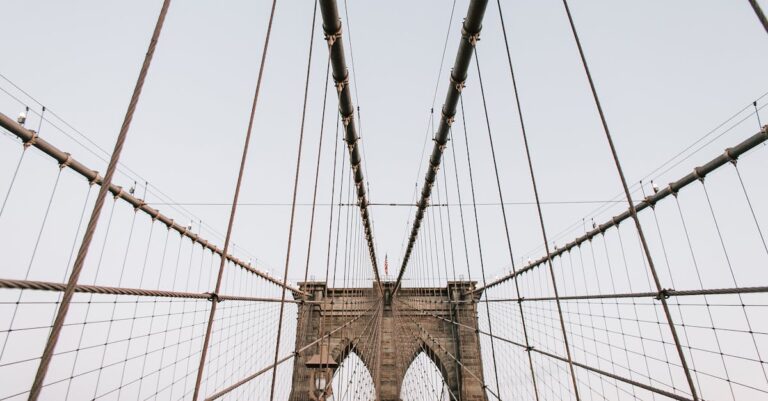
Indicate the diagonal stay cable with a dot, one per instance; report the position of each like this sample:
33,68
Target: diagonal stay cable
293,201
228,237
632,210
77,268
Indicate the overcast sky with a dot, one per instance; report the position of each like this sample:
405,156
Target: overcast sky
668,73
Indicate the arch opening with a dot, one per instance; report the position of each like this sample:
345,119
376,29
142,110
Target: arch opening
425,379
352,380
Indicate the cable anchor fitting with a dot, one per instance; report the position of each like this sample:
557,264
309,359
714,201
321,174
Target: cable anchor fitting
31,141
66,162
213,297
333,37
664,294
472,38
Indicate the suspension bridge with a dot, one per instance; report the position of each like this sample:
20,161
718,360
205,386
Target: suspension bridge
110,289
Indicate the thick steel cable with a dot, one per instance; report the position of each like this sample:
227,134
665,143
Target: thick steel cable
759,13
469,36
728,156
630,202
31,138
61,314
206,341
293,199
332,29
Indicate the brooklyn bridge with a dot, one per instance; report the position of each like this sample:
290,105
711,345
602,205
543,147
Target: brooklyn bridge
473,200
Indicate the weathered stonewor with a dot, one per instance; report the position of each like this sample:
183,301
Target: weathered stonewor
392,334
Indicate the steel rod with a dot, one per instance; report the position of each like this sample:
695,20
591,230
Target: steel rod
469,35
728,156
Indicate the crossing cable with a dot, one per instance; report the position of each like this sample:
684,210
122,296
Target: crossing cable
632,210
293,200
61,313
228,237
469,36
332,28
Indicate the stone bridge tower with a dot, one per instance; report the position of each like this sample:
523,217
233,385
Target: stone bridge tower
391,333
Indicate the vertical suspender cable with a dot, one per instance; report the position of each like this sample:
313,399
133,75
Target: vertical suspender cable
332,29
506,228
227,238
470,33
293,205
632,209
77,268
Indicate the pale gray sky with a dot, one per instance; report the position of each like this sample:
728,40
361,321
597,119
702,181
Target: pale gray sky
667,73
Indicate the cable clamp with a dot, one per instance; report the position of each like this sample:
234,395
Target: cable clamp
213,297
340,85
529,348
672,189
347,120
698,175
448,119
66,161
119,192
729,154
333,37
31,141
472,38
520,300
649,200
96,178
459,85
663,294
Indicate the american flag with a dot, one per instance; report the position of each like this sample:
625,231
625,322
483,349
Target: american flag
386,265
